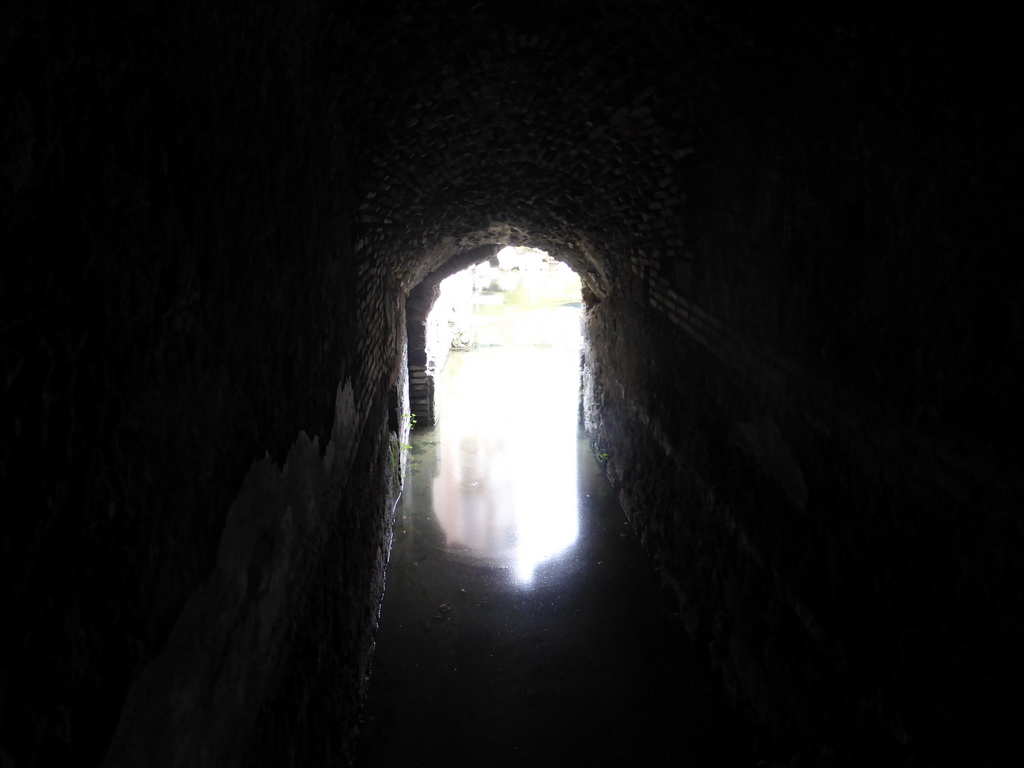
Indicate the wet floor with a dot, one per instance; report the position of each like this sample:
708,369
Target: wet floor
522,623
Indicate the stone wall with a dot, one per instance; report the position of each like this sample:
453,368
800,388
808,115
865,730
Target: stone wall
823,464
194,440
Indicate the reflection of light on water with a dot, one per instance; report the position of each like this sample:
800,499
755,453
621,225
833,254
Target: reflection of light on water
506,485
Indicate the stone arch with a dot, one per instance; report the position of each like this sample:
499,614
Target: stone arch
423,296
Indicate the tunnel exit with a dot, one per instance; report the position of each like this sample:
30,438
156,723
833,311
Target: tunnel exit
502,460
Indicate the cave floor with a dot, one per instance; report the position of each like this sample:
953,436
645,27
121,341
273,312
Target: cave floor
523,623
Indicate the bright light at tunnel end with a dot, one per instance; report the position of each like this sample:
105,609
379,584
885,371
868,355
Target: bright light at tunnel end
507,488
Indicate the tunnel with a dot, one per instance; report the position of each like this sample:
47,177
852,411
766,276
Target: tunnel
795,228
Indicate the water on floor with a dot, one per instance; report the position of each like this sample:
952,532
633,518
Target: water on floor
522,622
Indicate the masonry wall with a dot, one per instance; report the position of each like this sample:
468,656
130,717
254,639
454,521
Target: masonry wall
809,411
195,453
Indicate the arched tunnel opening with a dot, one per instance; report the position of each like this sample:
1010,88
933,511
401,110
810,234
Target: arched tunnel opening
795,231
502,291
497,472
521,617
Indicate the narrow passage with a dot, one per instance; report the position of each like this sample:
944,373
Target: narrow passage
522,622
